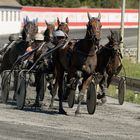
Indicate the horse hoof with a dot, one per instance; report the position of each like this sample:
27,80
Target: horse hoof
100,96
61,111
77,113
99,103
65,97
37,105
14,97
51,106
104,100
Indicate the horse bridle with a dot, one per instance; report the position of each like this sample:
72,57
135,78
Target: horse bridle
92,33
60,25
115,50
27,33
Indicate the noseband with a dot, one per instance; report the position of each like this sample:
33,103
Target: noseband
92,33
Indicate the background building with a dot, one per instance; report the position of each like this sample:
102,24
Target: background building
10,14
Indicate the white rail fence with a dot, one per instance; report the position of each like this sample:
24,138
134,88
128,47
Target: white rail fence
131,83
11,19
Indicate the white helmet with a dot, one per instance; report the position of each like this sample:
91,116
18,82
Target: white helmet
39,36
59,33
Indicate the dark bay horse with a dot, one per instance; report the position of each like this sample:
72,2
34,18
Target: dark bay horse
38,48
109,62
63,25
45,67
48,34
28,33
83,59
53,87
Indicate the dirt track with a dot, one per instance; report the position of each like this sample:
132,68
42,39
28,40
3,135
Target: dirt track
110,122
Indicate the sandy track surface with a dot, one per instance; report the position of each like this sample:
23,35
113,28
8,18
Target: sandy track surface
110,122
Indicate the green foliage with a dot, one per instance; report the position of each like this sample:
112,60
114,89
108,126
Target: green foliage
72,3
80,3
131,69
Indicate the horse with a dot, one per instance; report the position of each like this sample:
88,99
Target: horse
45,67
83,59
16,50
48,34
29,30
63,25
34,51
53,87
109,62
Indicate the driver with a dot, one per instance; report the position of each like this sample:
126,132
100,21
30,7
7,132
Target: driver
39,39
59,37
12,40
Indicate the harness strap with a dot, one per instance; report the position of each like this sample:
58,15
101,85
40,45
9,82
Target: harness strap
41,46
46,54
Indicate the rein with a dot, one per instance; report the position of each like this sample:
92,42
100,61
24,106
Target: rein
26,55
47,54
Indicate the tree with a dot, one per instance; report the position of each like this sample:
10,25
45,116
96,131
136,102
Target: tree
72,3
80,3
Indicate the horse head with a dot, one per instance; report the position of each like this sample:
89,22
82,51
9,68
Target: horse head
94,27
30,28
63,25
115,60
115,39
49,31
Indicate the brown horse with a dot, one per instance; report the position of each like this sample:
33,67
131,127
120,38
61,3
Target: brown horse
30,28
48,34
109,62
53,87
63,26
45,66
83,59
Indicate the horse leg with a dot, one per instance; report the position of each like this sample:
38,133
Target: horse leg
103,87
15,84
86,82
60,94
72,80
103,99
53,92
37,81
109,80
59,78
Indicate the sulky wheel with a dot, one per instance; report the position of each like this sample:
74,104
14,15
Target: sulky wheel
121,90
91,98
21,91
68,93
71,97
41,87
64,86
5,86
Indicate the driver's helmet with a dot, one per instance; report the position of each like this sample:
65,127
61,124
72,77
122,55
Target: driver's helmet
13,37
39,37
59,34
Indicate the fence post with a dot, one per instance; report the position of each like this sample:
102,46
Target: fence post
122,26
138,39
